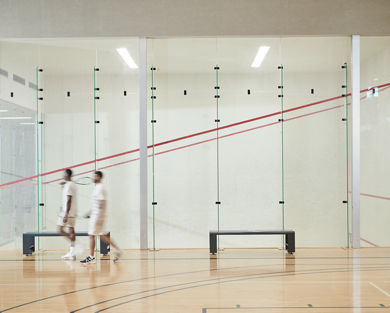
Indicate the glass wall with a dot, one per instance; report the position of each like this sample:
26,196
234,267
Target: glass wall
18,142
239,145
315,145
375,153
81,97
244,133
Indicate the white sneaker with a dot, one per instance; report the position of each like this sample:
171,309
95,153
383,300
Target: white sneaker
69,256
88,260
78,249
117,255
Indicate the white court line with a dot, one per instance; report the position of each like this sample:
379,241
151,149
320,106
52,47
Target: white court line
380,289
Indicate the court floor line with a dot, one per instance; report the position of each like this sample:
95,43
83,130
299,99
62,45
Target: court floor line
191,135
380,289
223,282
220,280
205,310
121,282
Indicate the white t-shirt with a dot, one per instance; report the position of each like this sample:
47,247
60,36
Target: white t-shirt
69,190
98,195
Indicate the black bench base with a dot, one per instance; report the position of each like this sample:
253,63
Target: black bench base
29,241
289,237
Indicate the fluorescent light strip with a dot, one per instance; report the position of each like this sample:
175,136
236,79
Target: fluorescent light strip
261,53
15,118
3,111
27,123
127,57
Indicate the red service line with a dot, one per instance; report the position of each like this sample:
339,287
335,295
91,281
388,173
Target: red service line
370,243
375,196
189,136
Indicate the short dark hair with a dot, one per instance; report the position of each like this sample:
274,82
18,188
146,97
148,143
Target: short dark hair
69,172
99,173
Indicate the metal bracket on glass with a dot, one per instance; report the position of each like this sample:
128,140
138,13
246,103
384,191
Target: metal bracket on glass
281,202
218,202
217,121
154,203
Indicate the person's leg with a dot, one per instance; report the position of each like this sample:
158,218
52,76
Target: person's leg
72,238
64,233
109,241
91,245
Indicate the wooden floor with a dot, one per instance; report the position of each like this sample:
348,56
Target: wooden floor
170,281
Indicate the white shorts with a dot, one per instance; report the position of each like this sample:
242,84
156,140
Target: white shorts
96,224
69,223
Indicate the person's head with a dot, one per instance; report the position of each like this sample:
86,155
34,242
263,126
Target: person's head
98,176
68,174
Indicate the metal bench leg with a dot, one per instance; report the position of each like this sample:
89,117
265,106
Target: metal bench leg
104,248
28,244
213,243
290,243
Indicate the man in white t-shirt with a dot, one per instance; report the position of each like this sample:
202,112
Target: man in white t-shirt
67,218
97,217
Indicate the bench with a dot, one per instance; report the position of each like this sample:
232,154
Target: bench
29,241
289,237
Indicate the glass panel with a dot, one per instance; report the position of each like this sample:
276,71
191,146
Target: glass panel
67,138
184,170
117,135
250,139
18,209
315,139
375,152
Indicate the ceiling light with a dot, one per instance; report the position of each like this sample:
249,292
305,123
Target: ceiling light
27,123
261,53
3,111
124,53
15,117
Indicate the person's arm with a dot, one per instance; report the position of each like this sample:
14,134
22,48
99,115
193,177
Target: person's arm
68,205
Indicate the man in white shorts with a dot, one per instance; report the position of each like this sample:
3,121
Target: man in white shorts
97,217
68,214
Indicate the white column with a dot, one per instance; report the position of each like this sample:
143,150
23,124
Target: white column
355,141
143,138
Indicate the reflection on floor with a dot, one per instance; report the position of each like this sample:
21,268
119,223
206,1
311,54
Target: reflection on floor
237,280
